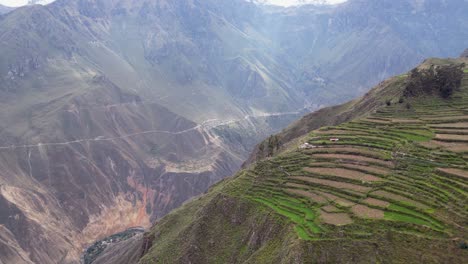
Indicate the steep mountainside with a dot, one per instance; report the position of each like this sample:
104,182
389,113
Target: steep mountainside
328,116
353,46
115,112
87,149
390,189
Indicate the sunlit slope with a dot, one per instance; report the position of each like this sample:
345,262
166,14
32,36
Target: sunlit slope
403,166
391,188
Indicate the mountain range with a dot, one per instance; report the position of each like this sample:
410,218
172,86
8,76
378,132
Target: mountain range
116,112
386,185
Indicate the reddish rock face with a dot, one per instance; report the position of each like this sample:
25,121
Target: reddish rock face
93,171
86,147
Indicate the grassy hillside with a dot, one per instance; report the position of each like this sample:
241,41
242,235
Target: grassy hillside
392,189
116,112
388,90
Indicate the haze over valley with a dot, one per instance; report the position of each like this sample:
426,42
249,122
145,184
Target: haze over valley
116,112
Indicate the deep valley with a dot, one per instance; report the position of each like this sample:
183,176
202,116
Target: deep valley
119,113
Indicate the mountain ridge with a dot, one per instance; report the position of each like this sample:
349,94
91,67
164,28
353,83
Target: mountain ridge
250,208
156,101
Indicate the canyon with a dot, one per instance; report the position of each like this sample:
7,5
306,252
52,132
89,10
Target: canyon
116,112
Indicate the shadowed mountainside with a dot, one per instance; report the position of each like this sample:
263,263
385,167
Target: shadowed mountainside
116,112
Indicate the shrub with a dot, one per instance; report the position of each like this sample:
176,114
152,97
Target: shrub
443,80
463,245
274,143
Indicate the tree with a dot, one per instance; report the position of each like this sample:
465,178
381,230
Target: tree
271,147
273,144
444,80
261,149
449,79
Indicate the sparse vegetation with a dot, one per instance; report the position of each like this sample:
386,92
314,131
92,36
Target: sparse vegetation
98,247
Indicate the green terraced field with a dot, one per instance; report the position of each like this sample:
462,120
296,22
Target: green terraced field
393,188
394,156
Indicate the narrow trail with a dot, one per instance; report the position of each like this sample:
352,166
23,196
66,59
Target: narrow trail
206,126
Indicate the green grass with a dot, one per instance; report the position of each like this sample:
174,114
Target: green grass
299,213
433,224
417,137
294,217
405,218
302,233
414,176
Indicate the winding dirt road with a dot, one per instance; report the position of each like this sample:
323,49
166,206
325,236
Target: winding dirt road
206,126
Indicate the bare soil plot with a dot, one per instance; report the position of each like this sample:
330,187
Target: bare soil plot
336,199
451,146
335,184
363,211
371,169
459,148
330,209
355,158
399,198
314,197
322,164
296,185
337,219
449,137
377,202
455,172
344,173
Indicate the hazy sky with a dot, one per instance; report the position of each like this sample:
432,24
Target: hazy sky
274,2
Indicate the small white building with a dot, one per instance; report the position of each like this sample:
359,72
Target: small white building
307,146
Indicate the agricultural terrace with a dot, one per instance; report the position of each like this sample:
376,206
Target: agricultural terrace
403,168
